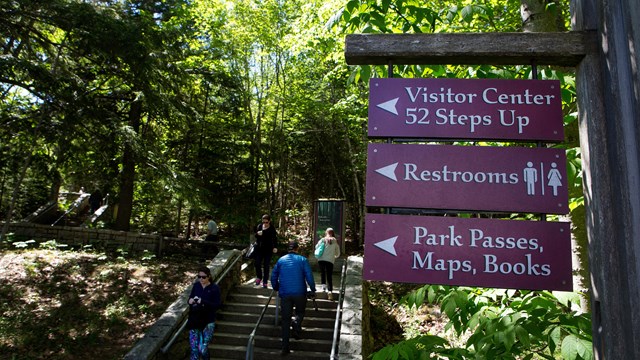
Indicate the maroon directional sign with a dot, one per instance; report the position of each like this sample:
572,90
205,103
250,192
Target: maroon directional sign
477,178
468,252
529,110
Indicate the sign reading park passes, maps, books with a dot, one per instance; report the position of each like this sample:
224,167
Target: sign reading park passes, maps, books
468,252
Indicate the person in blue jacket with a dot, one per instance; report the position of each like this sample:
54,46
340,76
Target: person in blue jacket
289,278
204,301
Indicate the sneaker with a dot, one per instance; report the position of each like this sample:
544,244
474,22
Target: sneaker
324,288
258,281
330,296
264,284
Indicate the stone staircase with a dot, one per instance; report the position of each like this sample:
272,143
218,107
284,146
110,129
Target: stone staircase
241,310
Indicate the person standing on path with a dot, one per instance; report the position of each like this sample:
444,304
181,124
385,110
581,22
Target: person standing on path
267,242
212,229
289,278
204,301
95,201
327,259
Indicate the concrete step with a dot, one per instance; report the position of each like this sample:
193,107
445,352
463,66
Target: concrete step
309,319
219,351
254,309
273,342
269,329
241,310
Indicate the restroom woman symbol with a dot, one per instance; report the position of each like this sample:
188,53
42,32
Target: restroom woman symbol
555,179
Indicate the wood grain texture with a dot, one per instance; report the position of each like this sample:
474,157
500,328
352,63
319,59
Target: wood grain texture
562,49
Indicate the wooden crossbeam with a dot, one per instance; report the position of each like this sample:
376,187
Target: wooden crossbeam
561,49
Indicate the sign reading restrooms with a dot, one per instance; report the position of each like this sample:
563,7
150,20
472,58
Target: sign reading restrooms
478,178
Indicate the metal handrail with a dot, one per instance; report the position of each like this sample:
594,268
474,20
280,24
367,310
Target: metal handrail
166,348
75,205
251,341
336,327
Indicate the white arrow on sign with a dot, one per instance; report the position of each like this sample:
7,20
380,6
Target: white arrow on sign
389,171
389,106
388,245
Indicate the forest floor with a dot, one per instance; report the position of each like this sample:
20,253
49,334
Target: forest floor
79,305
57,304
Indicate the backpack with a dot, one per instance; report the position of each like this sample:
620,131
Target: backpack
319,248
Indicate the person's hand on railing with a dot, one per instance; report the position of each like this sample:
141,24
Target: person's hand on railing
312,295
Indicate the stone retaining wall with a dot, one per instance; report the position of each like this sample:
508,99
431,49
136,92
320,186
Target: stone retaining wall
355,332
79,236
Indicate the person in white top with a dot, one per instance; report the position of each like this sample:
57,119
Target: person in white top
326,260
212,229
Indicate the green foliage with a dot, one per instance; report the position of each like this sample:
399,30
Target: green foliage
420,348
200,106
52,245
501,324
24,244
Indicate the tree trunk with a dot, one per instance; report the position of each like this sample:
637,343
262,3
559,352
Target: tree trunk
541,16
127,178
18,183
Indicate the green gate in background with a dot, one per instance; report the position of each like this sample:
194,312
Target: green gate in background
329,213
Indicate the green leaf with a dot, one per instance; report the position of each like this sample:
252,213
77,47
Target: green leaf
351,5
575,348
509,337
567,298
523,336
385,6
431,295
378,20
467,13
449,307
554,338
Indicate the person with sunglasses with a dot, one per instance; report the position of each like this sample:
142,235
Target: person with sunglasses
204,301
267,245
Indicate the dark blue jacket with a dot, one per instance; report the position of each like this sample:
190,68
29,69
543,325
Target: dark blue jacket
204,313
289,275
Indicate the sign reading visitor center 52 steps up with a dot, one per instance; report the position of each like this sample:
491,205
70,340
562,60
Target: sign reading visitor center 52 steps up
455,250
528,110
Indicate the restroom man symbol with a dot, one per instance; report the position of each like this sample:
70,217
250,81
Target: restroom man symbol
531,177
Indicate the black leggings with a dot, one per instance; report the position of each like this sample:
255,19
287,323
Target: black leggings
326,273
262,263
